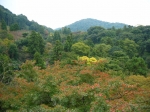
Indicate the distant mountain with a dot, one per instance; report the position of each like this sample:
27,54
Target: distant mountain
84,24
22,21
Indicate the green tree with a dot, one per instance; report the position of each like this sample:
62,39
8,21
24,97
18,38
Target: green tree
120,59
102,50
94,33
68,43
38,60
148,45
5,69
3,25
14,27
27,71
57,51
56,36
107,40
66,30
137,65
35,43
130,47
13,51
80,48
25,34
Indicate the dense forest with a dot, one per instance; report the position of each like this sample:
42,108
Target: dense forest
18,22
98,70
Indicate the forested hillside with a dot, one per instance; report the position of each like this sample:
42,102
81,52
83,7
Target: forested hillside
18,22
85,24
99,70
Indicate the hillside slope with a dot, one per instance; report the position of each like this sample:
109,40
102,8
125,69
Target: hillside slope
22,21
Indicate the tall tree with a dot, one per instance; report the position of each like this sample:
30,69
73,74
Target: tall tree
57,51
68,43
13,51
3,25
56,36
38,60
35,43
5,69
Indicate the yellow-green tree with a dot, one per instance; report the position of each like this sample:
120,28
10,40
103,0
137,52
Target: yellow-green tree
80,49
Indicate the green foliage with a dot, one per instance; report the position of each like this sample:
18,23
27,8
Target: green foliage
100,105
6,73
86,78
3,25
107,41
68,58
68,43
130,47
88,71
66,30
13,51
101,50
80,49
148,46
27,71
94,33
102,65
22,42
137,66
39,61
14,27
25,34
4,34
56,52
21,21
56,36
35,43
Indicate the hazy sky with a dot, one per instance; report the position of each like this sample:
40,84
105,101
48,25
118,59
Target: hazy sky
58,13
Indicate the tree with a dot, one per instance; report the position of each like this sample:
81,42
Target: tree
57,51
35,43
27,71
25,34
147,45
130,47
56,36
68,43
80,48
3,25
107,40
38,60
66,30
101,50
5,69
137,65
13,51
14,27
94,33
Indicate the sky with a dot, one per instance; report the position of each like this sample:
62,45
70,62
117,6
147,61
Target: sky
59,13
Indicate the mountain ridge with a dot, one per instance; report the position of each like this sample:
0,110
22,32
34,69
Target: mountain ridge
84,24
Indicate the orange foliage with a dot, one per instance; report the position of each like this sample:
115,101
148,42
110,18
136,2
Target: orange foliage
119,94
